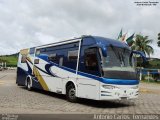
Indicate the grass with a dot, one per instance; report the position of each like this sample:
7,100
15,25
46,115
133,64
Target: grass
154,64
150,81
11,60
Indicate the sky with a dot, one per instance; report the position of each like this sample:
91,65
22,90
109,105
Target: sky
28,23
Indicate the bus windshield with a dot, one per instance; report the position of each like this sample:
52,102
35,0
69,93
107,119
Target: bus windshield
118,62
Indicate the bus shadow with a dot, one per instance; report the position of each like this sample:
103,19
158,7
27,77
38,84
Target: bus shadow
59,96
105,104
88,102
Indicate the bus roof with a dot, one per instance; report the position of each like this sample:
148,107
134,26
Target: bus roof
98,40
108,42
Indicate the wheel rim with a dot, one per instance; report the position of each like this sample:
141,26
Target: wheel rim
72,93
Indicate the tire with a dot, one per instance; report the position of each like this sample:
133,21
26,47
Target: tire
29,85
18,84
71,93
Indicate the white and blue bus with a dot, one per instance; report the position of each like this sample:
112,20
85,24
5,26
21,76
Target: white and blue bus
89,67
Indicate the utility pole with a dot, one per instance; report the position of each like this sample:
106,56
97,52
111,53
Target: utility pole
140,76
148,75
5,65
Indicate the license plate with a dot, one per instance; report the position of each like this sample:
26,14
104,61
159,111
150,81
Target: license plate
124,95
123,98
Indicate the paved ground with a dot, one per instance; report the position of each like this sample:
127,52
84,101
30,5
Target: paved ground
15,99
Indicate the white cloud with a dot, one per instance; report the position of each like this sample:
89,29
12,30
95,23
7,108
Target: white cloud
27,23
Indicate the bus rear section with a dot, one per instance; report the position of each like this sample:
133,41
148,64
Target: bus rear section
22,68
26,73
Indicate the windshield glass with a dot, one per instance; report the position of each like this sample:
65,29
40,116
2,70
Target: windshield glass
118,59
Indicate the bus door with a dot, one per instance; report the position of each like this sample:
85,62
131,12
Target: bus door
89,68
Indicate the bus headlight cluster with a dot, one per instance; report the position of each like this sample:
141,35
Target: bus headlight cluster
109,87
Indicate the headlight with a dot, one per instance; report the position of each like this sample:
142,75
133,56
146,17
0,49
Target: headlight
109,87
135,87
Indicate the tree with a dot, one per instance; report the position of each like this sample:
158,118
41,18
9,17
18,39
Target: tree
158,43
142,43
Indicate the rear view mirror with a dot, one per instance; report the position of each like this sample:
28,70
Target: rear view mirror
140,58
141,54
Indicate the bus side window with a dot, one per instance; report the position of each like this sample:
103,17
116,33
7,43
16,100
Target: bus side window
61,61
23,59
72,55
52,57
38,52
90,59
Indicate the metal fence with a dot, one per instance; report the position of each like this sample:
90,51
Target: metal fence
149,74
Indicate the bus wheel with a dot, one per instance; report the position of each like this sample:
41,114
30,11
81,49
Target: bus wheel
29,85
71,93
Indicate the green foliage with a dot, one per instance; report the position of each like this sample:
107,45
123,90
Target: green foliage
153,64
142,43
11,60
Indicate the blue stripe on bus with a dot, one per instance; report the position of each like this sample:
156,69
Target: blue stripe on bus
120,81
111,81
100,79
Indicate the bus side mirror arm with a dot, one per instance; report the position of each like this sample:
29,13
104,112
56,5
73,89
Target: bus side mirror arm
141,54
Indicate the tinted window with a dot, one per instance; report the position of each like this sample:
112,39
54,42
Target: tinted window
32,50
90,59
61,61
52,57
23,59
72,55
60,47
43,50
38,52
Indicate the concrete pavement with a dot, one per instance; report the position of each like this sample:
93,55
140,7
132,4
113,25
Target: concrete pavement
17,100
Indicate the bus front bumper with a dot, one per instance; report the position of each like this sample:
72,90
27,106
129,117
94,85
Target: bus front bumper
118,92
